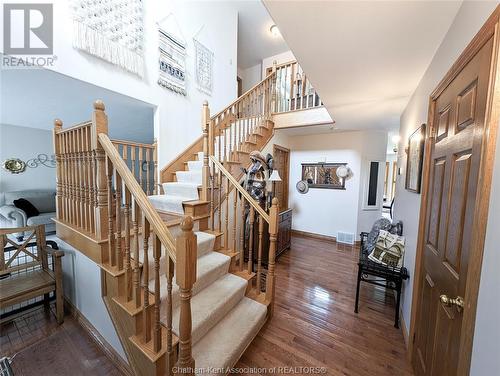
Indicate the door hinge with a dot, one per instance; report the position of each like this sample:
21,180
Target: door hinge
413,339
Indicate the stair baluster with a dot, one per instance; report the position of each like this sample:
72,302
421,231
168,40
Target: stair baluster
242,234
170,351
205,120
157,328
147,187
137,271
146,317
250,241
235,218
111,237
118,233
259,252
126,246
226,215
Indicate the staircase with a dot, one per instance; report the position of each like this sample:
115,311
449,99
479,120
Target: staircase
181,269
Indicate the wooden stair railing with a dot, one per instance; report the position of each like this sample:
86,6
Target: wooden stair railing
100,199
231,221
142,160
293,89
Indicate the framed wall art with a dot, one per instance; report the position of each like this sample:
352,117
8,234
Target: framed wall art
323,175
414,160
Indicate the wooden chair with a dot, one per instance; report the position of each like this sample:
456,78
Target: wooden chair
23,281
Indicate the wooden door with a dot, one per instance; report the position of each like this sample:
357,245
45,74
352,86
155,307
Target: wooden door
449,245
281,157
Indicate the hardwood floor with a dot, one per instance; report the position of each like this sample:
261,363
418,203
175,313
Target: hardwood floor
41,347
314,324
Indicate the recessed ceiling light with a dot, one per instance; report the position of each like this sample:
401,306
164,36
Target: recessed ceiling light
396,138
275,32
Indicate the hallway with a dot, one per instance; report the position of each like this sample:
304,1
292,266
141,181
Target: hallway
314,324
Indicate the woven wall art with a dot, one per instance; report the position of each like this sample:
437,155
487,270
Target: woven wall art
172,62
111,30
204,67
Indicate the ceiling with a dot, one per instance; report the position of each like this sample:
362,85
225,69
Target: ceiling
365,58
35,97
255,41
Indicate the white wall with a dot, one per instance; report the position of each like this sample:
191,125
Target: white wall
327,211
281,58
26,143
250,77
467,23
253,75
177,118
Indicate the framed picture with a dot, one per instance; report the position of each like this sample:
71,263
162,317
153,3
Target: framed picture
323,175
415,159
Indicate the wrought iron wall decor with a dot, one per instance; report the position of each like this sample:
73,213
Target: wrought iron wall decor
17,166
42,160
323,175
14,165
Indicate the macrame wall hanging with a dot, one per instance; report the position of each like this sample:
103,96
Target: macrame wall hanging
111,30
204,67
172,56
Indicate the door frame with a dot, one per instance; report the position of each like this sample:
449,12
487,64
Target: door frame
489,30
286,150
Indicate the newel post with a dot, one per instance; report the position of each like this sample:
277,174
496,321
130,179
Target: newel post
100,125
205,120
274,93
57,152
273,236
185,270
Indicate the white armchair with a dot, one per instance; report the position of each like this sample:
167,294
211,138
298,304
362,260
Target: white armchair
43,200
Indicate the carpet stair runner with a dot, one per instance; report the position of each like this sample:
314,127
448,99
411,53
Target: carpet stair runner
224,321
182,190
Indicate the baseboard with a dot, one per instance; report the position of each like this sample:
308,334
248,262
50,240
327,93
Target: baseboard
106,348
305,234
404,329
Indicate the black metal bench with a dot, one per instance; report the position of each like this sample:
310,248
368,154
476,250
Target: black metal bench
377,274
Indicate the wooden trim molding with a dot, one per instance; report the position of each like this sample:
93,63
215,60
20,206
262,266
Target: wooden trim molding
99,340
404,330
312,235
489,30
177,164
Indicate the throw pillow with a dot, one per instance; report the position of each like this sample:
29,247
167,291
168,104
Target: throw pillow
27,207
389,249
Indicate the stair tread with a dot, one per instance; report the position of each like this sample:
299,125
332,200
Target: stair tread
195,202
224,344
209,268
210,305
244,274
228,252
130,307
147,348
204,241
214,232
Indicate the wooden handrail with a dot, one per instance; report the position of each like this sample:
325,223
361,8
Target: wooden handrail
244,95
157,224
83,124
132,143
240,189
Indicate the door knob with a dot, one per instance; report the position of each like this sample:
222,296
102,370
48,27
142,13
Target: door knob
457,302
